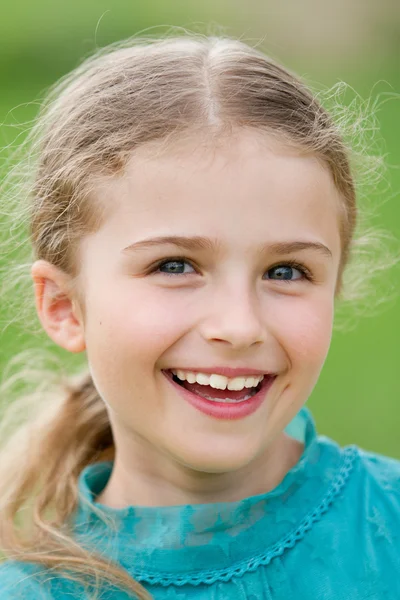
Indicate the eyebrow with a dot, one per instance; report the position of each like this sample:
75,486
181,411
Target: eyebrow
210,244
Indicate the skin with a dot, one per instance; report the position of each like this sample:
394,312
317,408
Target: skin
229,310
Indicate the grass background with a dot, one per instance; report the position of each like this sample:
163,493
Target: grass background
357,397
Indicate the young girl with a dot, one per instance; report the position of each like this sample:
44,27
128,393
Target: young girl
192,214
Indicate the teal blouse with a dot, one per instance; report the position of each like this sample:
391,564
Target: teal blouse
330,530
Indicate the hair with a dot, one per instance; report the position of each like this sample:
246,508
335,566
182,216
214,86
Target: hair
127,95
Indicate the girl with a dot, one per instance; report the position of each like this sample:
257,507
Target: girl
192,214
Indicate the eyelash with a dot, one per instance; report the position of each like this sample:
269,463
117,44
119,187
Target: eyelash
307,275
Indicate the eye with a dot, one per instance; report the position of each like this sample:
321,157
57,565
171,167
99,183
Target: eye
288,272
174,265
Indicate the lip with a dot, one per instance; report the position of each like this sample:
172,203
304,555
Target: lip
223,410
226,371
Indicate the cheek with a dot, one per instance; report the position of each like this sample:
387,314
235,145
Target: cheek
135,323
304,331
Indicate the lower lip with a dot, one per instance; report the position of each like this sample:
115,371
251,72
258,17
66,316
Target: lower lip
224,410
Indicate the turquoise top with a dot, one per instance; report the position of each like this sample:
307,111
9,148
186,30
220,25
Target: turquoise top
330,530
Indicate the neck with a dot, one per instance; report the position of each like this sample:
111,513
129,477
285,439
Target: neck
140,479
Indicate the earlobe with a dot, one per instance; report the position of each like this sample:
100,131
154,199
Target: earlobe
56,308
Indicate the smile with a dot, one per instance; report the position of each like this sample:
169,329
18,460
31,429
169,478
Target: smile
222,403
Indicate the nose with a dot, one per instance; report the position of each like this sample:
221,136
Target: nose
236,318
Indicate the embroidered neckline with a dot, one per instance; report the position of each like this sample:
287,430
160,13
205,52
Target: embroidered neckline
178,544
287,542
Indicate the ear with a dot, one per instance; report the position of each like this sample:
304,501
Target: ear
58,312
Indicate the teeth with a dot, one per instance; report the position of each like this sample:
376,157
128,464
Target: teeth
190,377
218,382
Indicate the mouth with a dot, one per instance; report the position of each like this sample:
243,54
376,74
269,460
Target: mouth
222,404
214,394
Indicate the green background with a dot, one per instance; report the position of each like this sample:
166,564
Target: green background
357,397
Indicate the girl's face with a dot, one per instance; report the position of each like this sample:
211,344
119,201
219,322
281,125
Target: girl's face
219,306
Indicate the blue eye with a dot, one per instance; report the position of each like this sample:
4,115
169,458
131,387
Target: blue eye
285,273
176,267
289,271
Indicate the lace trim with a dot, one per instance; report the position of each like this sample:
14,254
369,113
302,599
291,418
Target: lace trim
287,542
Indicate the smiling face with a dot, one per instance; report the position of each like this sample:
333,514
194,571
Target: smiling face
224,304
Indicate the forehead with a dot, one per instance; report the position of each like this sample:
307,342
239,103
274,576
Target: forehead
247,187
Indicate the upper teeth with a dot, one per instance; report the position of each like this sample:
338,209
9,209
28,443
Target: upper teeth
218,382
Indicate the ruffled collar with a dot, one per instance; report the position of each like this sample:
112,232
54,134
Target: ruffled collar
193,543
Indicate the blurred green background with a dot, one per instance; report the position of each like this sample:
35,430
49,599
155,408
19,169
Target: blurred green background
357,398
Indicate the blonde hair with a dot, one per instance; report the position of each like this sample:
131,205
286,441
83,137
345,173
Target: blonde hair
127,95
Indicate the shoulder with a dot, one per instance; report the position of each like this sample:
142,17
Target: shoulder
380,476
357,537
364,487
21,580
372,496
